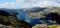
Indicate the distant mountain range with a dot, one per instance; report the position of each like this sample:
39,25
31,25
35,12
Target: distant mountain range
22,12
35,9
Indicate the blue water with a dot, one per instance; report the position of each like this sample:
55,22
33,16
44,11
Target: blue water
22,16
33,22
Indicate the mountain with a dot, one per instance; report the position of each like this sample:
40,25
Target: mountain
10,20
46,15
37,13
35,9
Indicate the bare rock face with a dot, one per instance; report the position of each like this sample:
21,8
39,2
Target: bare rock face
11,21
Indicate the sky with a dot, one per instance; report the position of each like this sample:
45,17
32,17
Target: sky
28,3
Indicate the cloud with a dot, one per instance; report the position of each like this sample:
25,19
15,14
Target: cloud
41,3
11,5
47,4
7,5
29,4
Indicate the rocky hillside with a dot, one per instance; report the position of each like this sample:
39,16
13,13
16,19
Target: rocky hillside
42,14
13,22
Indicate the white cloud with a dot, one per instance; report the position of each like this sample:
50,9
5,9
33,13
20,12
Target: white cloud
29,3
19,0
7,5
10,5
42,3
46,4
